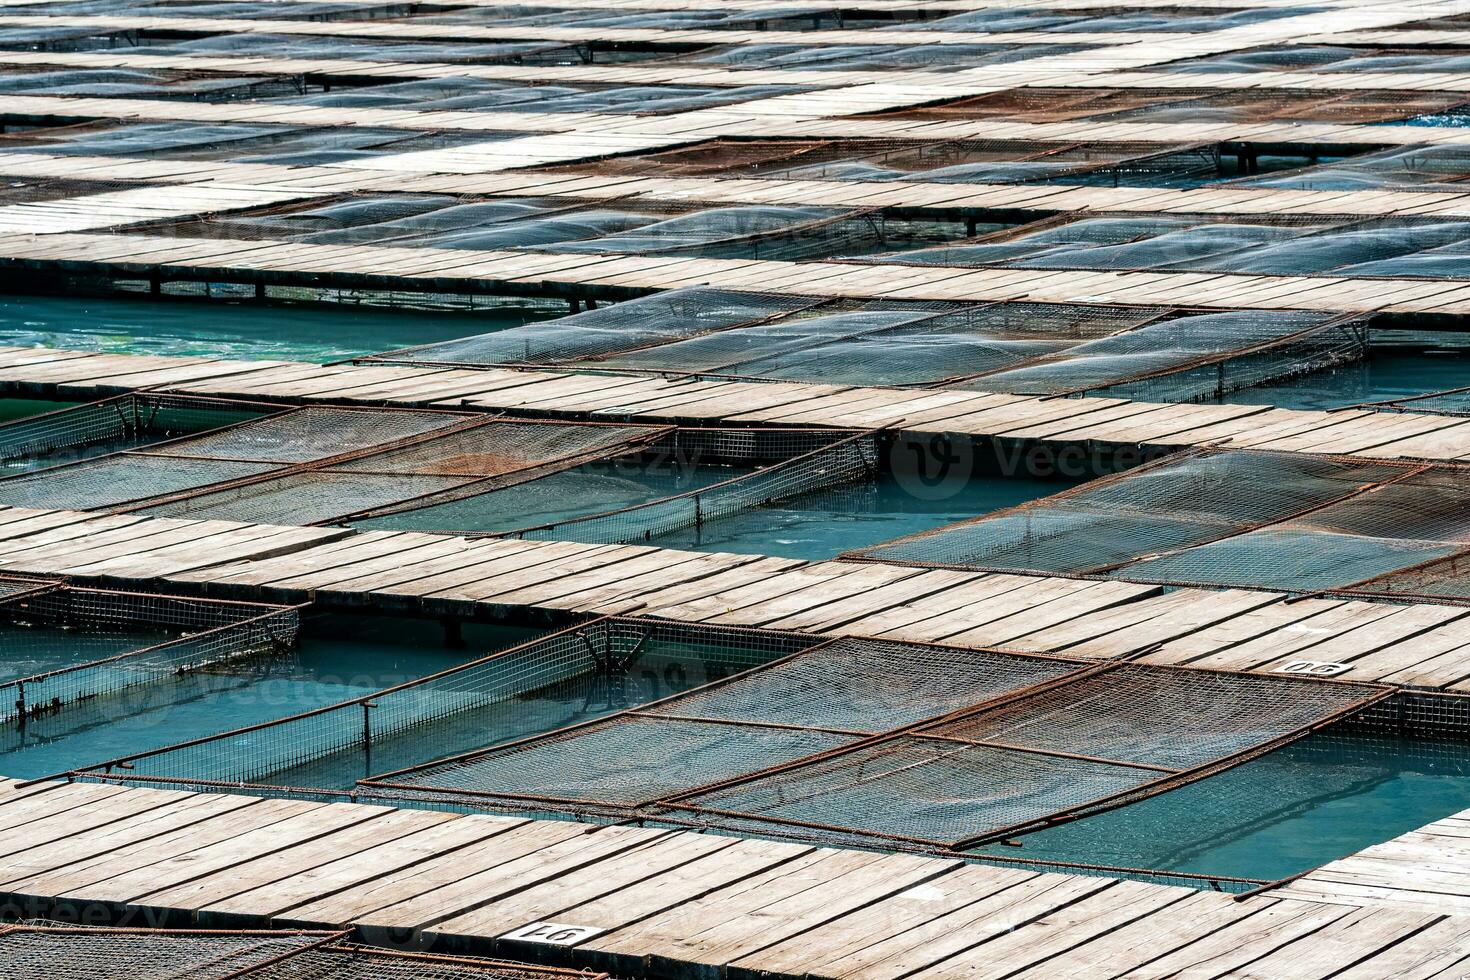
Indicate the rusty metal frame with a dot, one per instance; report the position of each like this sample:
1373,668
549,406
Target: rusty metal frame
1168,781
382,782
335,941
105,768
261,612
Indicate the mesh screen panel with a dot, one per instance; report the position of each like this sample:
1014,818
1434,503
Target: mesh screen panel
483,693
630,761
115,480
76,954
1188,500
657,319
314,497
1132,713
817,700
125,422
31,951
1095,739
499,447
311,433
922,790
114,641
865,686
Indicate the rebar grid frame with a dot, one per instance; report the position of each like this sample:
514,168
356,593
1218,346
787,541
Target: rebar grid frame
434,783
1135,563
34,950
320,733
224,630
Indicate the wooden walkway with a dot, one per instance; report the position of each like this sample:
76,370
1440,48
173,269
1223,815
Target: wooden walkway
1079,422
1424,647
666,903
619,276
671,903
921,198
1425,870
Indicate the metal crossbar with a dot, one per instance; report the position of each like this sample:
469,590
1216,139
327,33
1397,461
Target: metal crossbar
158,638
38,950
909,745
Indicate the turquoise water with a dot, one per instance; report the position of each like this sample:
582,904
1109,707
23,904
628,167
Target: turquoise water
662,668
811,526
218,329
1317,800
340,658
37,649
823,525
1384,375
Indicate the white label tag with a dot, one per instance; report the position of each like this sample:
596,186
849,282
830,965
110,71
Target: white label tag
1316,668
552,933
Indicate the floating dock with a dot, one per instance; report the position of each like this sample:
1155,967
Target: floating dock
907,157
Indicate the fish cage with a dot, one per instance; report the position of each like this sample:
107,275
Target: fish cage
933,161
66,645
14,588
595,482
1396,247
235,441
910,746
1199,105
1309,524
619,226
594,665
127,421
240,142
39,950
1158,353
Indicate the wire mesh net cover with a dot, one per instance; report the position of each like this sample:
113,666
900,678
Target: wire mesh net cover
243,450
52,951
127,421
858,740
815,700
1092,741
507,691
65,645
1019,347
1309,522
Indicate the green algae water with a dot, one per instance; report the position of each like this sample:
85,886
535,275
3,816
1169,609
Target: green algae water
231,330
1311,802
340,658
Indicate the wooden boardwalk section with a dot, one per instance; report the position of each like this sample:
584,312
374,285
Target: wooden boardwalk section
675,904
1423,647
666,903
47,373
1425,870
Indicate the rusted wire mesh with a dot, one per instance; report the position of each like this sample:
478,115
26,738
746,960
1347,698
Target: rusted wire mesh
14,588
67,645
1091,741
228,453
439,712
830,696
127,421
865,741
35,952
48,951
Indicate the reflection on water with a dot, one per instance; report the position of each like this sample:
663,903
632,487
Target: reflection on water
1314,801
